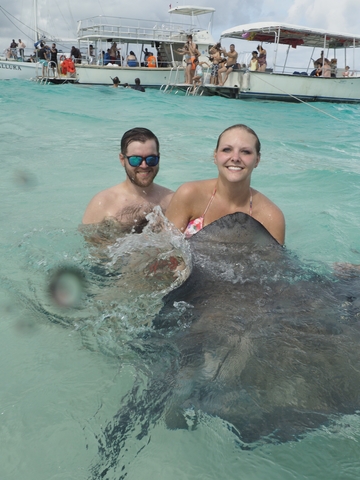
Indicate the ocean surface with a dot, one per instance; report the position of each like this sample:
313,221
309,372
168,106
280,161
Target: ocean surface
64,371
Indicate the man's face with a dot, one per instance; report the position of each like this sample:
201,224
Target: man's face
141,176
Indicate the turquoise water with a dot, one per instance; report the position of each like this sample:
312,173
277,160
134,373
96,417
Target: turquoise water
63,375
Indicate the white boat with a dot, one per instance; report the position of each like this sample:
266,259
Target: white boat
10,69
161,38
282,82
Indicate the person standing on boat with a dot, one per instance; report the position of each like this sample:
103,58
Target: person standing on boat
129,202
231,63
187,58
215,58
261,59
13,47
44,58
254,64
113,52
21,48
53,59
76,54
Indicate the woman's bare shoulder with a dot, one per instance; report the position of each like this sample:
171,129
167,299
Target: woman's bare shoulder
270,215
197,186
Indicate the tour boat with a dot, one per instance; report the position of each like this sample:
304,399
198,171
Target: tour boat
285,82
163,39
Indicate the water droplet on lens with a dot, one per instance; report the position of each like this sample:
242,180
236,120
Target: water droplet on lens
67,286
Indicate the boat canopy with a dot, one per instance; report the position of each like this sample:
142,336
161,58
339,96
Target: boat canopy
191,10
293,35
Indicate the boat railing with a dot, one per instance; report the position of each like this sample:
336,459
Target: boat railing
127,28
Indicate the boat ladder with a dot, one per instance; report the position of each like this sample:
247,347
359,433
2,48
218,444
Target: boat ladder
168,88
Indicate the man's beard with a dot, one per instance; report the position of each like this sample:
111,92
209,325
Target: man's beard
136,179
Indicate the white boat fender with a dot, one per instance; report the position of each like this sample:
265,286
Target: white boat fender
245,84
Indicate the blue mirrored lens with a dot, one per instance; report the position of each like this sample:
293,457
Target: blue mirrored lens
151,160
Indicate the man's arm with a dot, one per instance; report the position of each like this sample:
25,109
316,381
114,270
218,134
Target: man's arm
96,211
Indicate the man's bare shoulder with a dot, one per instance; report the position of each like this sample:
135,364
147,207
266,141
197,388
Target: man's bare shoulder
102,204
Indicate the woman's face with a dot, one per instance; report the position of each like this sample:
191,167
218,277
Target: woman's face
236,156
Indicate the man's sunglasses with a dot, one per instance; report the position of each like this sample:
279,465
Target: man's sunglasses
136,160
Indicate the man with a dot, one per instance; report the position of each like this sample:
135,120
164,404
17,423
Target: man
231,63
44,57
53,59
130,201
21,47
138,86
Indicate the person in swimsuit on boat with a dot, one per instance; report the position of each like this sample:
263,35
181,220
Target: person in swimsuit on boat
261,59
197,204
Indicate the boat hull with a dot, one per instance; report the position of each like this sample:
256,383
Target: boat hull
102,75
275,86
18,70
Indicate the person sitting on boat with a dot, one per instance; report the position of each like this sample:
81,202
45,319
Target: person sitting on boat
318,71
21,47
151,61
326,68
129,202
346,72
107,59
131,60
261,59
254,64
197,204
231,63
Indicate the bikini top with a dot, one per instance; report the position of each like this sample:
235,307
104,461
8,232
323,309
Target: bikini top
197,224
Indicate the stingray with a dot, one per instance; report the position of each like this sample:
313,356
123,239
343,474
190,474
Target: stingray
253,337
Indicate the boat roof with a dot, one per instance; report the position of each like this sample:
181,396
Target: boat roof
191,10
293,35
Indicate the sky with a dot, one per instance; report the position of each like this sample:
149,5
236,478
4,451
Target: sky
59,17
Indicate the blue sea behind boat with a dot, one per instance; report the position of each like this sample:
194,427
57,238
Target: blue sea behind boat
60,384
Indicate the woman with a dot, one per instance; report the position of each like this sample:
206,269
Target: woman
261,59
254,64
131,60
188,63
197,204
